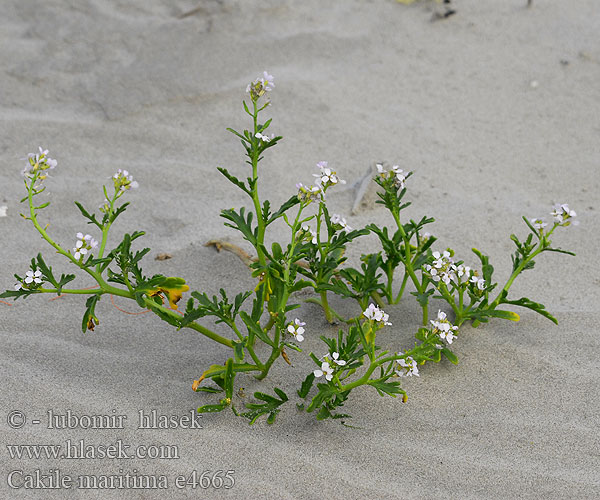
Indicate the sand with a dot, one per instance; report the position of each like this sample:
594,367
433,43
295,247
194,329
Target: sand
496,109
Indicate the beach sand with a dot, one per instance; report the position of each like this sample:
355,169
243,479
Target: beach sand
496,110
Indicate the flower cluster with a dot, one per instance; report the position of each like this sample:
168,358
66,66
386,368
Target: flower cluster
442,268
538,223
296,329
407,367
373,313
84,245
563,214
258,87
308,194
340,223
397,174
327,177
32,280
124,181
443,327
37,163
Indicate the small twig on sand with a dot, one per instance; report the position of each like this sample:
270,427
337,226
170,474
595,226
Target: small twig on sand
230,247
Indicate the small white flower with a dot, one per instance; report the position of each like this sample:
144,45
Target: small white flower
327,177
442,268
84,244
38,163
325,370
538,223
296,329
261,85
461,270
123,181
400,176
18,286
443,327
33,277
480,282
336,360
373,313
268,81
562,213
340,221
264,138
313,235
408,367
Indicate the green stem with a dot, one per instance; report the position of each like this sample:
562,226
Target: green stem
260,236
408,256
377,298
402,287
76,291
389,272
325,305
513,276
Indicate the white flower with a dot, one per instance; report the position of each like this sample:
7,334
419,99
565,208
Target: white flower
442,268
562,213
400,176
268,81
397,174
261,85
336,360
38,163
325,370
443,327
18,286
313,235
124,181
480,282
264,138
373,313
462,270
296,329
340,221
84,244
33,277
327,177
538,223
408,367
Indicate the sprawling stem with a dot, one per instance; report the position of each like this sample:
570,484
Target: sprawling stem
59,249
105,287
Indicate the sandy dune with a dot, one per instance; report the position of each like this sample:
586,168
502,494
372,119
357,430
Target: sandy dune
497,111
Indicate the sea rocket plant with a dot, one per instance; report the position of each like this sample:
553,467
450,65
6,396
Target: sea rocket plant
313,258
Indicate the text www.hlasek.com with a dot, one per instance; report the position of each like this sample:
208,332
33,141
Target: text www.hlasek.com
80,450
